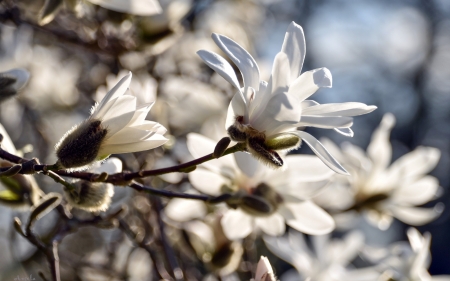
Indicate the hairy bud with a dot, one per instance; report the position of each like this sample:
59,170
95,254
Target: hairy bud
80,146
283,142
91,197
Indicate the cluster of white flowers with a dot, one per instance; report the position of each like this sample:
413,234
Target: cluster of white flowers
272,194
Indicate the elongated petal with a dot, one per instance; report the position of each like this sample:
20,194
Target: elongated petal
182,210
339,109
237,224
325,122
154,141
221,66
417,193
208,182
416,163
128,134
321,152
236,108
345,132
279,81
273,225
247,164
307,217
119,89
7,143
309,82
415,216
243,60
294,47
306,168
114,125
140,114
122,105
134,7
380,149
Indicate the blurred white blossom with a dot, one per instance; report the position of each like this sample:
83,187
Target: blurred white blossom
260,111
266,198
134,7
382,191
325,260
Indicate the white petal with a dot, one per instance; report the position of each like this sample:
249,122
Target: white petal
415,216
155,141
306,168
273,225
183,210
122,105
127,135
284,108
111,166
325,122
345,131
207,182
279,81
134,7
416,163
339,109
119,89
140,114
321,152
237,224
307,217
247,163
243,60
263,268
380,149
295,48
309,82
221,66
114,125
417,193
236,108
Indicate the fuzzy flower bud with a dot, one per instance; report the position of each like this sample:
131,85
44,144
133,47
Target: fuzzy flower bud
91,197
115,126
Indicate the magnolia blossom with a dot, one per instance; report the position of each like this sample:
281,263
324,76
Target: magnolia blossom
381,191
262,111
326,260
115,126
402,262
264,198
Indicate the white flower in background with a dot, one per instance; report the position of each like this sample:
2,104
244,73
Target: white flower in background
134,7
264,271
402,262
92,196
380,191
115,126
325,260
266,199
261,111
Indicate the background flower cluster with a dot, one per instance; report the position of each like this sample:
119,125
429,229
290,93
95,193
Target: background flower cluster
387,220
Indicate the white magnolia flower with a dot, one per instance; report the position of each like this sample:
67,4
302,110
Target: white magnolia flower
115,126
325,260
261,111
267,199
381,191
402,262
134,7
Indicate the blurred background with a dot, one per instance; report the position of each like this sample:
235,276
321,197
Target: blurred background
392,54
